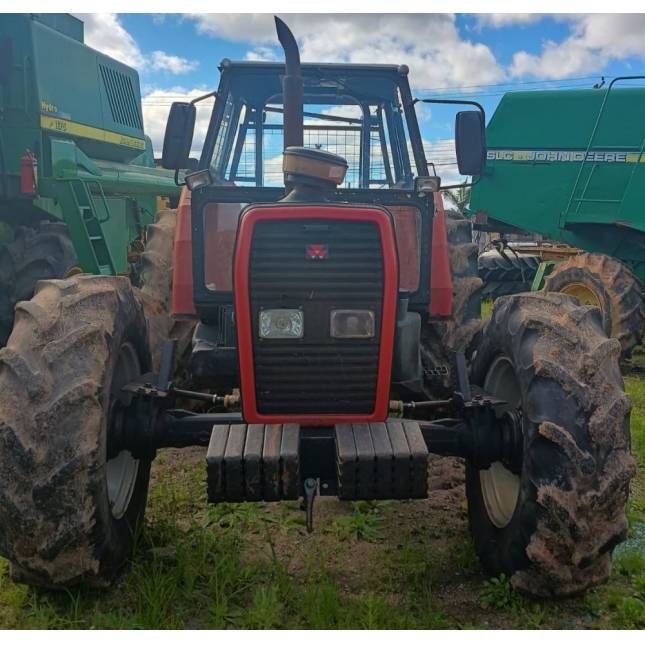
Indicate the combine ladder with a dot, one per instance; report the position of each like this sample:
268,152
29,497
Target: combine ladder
84,225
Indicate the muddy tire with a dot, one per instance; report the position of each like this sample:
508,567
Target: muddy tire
153,274
68,514
609,284
440,340
35,254
553,526
503,275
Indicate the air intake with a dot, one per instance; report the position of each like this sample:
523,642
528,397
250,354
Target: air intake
122,97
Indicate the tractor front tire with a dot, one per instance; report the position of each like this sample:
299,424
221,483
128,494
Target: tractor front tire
552,525
35,254
68,511
608,284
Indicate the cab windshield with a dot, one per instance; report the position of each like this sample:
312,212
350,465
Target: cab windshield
352,111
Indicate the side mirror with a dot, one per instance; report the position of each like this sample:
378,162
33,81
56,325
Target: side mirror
179,136
470,142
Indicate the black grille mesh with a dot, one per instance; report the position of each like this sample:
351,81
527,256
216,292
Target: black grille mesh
316,374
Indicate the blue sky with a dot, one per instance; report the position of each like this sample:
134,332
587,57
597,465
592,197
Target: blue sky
177,55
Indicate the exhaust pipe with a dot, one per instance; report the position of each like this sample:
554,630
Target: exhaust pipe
309,175
292,92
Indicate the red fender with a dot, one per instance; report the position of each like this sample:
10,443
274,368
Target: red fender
440,275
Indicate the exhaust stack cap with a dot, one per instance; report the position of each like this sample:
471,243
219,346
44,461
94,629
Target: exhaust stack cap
313,168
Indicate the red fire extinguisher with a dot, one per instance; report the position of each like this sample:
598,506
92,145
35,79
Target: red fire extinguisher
28,173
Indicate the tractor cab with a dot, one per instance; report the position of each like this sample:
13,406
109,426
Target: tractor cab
362,113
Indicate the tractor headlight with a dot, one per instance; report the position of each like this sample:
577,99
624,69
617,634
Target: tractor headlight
282,323
352,323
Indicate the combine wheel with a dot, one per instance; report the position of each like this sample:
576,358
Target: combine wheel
608,284
506,274
440,340
154,276
35,254
69,506
551,525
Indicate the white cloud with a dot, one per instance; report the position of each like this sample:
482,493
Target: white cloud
105,33
173,64
595,41
156,106
261,53
499,20
429,44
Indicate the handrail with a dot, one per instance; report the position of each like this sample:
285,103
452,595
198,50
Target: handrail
591,138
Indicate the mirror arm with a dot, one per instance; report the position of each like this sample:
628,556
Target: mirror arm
464,185
479,106
202,97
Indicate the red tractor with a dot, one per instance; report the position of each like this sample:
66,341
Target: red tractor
338,342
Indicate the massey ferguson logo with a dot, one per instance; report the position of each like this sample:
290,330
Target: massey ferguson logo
317,251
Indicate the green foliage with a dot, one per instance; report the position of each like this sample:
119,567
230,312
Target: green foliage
464,556
364,523
321,606
498,593
635,387
265,611
462,197
629,563
631,613
416,567
244,516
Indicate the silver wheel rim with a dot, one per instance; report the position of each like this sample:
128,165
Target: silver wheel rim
500,487
121,471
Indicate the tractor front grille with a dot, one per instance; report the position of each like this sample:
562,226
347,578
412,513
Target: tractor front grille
316,374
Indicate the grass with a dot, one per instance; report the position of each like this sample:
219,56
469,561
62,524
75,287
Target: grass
367,566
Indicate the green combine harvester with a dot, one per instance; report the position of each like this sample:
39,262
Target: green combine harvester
569,166
78,186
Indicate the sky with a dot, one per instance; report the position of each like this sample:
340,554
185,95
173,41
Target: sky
471,56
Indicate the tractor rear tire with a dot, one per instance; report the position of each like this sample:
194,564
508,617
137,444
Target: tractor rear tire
441,339
607,283
153,274
551,528
68,513
35,254
506,274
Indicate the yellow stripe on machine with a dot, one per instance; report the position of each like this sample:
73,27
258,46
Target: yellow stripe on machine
89,132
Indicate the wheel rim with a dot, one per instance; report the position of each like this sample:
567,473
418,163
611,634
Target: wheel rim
500,487
121,471
583,293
